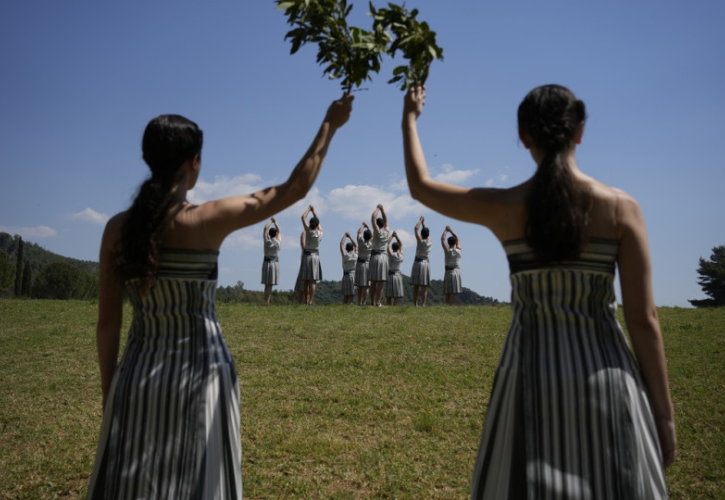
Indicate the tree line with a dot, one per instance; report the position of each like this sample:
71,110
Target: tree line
28,270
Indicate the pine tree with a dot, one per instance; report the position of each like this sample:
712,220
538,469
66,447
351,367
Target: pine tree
27,281
19,268
712,279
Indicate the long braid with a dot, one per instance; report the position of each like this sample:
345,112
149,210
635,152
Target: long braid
557,208
168,142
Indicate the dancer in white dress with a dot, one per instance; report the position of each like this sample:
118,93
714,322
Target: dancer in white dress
272,237
362,269
572,415
349,262
420,274
379,257
452,278
171,421
394,290
311,267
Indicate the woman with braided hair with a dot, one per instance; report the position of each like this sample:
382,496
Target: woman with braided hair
171,422
572,415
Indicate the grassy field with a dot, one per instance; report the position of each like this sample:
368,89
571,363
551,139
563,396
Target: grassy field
337,402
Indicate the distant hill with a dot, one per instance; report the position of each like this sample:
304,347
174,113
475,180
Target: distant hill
39,257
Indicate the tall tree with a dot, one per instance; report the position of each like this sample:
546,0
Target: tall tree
7,272
712,279
19,267
27,281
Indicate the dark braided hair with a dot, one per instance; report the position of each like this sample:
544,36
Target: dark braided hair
168,142
557,208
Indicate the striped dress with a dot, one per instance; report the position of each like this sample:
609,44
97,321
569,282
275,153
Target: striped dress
394,284
568,416
171,424
270,266
452,277
379,256
362,268
349,261
420,274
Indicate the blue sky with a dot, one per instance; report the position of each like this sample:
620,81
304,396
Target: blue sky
82,78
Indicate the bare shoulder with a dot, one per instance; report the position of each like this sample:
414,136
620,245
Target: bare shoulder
112,232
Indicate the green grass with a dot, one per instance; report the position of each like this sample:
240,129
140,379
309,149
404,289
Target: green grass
337,402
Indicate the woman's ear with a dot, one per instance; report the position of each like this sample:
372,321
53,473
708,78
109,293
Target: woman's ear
579,133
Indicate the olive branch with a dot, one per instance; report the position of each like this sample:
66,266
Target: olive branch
350,53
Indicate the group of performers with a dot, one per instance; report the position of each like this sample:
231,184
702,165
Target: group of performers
371,263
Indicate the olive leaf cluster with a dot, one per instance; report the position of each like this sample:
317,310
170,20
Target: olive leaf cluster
352,54
346,52
413,38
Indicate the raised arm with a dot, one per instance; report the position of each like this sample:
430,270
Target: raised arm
265,231
477,205
304,218
443,239
373,220
400,242
458,240
640,314
279,231
418,237
354,243
342,244
229,214
385,217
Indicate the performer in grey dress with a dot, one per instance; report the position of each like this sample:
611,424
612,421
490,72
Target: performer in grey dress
452,279
394,285
362,269
420,274
311,268
379,258
349,261
572,414
270,267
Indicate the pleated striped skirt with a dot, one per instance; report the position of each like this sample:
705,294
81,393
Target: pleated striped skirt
568,416
452,281
362,272
394,285
270,272
311,267
378,267
420,274
171,424
348,283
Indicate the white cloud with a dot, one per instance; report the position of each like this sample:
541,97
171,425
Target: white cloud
244,238
401,185
359,202
30,232
90,215
223,187
452,176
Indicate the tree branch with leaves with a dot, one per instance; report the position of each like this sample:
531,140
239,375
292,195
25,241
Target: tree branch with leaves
413,38
346,52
